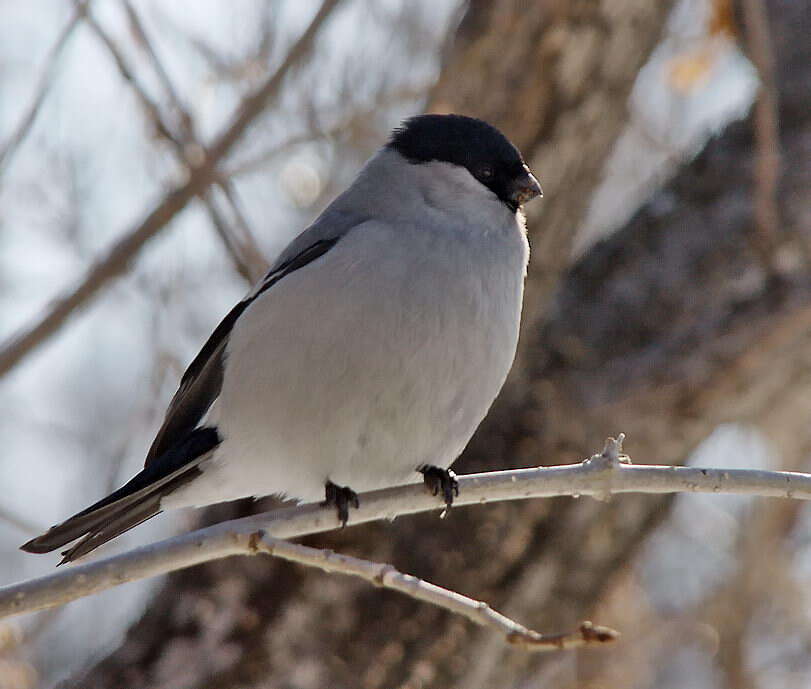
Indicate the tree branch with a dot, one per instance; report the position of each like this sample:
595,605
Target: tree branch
767,133
46,79
115,262
244,251
600,476
189,150
356,120
386,576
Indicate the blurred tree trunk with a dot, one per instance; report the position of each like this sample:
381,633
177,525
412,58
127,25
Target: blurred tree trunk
668,328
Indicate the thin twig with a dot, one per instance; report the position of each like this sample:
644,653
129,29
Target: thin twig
360,117
243,250
115,262
386,576
137,27
600,477
26,122
258,101
184,144
151,109
258,161
246,254
227,237
250,254
767,133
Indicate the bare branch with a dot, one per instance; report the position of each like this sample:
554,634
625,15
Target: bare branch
767,132
259,100
230,242
250,255
600,476
388,577
46,79
352,122
146,45
151,109
115,262
243,250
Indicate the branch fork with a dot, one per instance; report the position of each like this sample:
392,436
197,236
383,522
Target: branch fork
386,576
606,464
602,475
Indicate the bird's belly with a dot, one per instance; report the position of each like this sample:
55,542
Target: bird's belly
367,423
358,385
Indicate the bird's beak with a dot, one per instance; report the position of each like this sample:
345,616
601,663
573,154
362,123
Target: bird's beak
525,188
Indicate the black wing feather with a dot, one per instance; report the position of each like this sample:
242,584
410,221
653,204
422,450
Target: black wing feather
180,444
202,381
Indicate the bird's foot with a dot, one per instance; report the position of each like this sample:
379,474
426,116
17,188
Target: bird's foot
340,497
441,481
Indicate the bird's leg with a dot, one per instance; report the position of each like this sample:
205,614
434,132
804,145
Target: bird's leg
443,480
340,497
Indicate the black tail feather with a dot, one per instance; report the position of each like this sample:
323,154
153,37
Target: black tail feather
135,502
126,520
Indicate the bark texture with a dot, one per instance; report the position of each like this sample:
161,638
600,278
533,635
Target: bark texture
663,331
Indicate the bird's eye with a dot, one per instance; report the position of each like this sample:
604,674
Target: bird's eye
484,171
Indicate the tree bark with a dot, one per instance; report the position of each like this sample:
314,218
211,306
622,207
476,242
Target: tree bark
663,331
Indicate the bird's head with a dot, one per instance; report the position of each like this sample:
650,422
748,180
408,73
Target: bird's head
493,164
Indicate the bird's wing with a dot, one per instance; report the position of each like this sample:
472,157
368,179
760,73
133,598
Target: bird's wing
202,381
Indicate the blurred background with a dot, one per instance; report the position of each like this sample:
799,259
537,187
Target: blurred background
155,156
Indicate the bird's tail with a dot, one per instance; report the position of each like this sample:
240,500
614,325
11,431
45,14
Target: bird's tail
135,502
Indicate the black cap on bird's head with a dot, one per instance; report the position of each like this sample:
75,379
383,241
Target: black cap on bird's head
472,144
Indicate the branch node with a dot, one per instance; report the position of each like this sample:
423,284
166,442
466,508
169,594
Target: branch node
612,454
254,541
608,461
587,634
380,578
612,450
597,633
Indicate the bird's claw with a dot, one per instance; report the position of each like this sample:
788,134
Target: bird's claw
340,497
441,481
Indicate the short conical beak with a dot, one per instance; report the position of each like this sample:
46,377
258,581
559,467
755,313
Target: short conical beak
526,188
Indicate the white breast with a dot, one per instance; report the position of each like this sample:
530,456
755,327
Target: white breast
381,356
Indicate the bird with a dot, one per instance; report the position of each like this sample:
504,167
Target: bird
367,355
